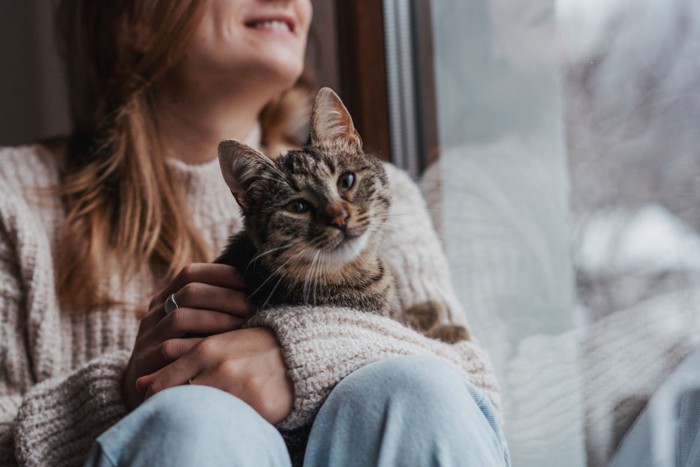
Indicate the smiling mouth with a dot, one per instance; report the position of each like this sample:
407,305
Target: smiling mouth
276,24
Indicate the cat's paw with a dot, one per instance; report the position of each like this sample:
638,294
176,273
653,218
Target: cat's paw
450,333
423,316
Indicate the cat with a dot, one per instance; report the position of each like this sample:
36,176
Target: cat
313,220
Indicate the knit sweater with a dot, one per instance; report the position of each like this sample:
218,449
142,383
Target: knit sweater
61,370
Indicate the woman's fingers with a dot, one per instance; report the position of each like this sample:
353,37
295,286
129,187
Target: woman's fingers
212,297
178,372
183,369
183,321
156,312
210,300
169,351
157,356
221,275
247,363
207,286
172,349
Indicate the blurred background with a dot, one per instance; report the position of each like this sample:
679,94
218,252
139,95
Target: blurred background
557,144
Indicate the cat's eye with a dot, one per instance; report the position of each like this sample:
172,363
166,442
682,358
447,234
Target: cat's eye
346,181
298,206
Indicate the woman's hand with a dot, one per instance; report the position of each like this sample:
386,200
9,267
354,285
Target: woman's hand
211,300
247,363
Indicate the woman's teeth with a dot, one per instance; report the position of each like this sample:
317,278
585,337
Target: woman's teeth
274,25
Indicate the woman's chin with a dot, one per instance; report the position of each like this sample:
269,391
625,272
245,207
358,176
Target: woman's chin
284,70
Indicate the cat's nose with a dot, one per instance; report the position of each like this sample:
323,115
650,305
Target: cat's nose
339,219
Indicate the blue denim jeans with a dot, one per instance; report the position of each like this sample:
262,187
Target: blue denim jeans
401,411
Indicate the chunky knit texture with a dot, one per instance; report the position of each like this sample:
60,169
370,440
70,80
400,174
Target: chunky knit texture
323,346
60,370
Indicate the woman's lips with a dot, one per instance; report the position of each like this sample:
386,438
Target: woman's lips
276,23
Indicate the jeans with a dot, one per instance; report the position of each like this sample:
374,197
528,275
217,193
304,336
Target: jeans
401,411
667,433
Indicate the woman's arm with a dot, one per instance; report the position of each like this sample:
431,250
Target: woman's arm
60,418
414,253
321,346
54,422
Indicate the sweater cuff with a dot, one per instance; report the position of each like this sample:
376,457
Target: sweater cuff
59,419
321,346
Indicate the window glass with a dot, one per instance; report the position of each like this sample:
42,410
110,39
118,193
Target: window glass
566,193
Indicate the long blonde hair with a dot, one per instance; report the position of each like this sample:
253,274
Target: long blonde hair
120,200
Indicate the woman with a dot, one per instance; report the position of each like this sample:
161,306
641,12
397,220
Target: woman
136,196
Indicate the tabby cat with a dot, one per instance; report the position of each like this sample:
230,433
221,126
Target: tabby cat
313,223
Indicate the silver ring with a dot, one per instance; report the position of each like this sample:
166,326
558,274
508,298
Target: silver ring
170,304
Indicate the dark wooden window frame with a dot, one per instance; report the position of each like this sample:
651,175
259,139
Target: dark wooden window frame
351,58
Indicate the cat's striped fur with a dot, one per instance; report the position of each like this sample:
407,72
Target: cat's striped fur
328,254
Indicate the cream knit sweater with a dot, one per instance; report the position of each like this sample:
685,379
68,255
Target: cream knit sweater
60,370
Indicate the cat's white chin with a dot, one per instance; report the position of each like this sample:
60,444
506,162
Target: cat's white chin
347,251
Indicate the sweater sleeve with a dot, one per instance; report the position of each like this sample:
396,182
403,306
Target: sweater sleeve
322,345
60,418
44,420
414,253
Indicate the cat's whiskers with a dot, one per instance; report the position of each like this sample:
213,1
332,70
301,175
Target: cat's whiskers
306,281
272,292
381,236
321,242
320,273
317,241
277,270
312,270
309,284
267,300
390,214
397,217
265,253
308,276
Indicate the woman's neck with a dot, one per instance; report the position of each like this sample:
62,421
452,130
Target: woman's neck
192,124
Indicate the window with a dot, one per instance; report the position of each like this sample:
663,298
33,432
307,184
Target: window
566,192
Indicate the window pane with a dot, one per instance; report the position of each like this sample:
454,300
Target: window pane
504,181
567,192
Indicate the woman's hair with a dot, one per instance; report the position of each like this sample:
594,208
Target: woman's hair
123,209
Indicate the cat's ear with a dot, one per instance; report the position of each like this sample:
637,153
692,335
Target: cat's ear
331,123
240,164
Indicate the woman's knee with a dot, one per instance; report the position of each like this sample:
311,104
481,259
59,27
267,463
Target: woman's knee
194,408
414,380
421,391
193,423
203,412
410,408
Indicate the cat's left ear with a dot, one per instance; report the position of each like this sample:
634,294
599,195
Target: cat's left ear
240,164
331,123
